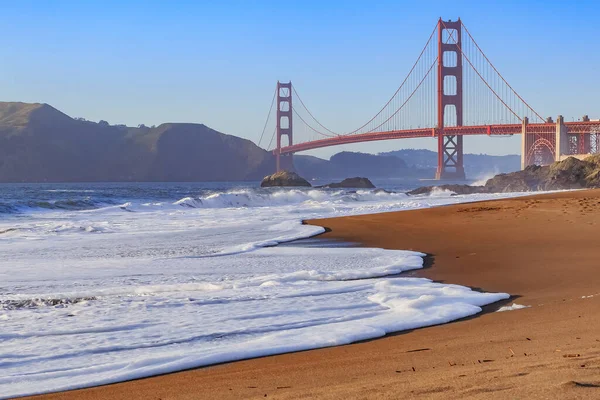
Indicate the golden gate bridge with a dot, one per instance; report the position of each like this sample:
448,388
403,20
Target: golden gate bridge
451,91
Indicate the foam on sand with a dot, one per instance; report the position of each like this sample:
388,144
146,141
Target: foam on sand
136,286
312,298
513,306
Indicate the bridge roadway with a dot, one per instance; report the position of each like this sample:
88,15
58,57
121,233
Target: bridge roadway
578,127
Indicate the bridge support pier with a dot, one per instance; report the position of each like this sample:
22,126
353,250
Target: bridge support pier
577,144
583,141
561,142
524,143
285,162
450,158
543,144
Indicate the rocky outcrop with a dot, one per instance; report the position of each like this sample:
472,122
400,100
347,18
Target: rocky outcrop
521,181
356,183
571,173
284,179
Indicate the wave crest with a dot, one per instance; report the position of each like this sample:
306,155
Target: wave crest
253,198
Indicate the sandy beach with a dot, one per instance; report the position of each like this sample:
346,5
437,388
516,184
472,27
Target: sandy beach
543,250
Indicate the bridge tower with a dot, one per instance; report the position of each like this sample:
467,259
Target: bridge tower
449,99
284,125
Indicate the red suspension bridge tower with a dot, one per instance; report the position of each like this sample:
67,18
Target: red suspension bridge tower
284,125
449,100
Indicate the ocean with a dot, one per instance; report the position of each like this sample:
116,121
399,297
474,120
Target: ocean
101,282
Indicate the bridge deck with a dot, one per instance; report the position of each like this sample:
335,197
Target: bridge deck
579,127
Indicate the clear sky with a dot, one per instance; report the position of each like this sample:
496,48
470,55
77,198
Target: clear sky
217,62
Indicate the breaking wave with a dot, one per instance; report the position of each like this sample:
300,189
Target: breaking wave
252,198
241,198
17,304
176,284
40,205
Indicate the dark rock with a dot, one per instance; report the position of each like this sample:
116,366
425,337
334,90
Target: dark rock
521,181
357,182
570,173
284,178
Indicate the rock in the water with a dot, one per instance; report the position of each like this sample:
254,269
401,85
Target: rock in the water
456,189
570,173
521,181
284,178
357,182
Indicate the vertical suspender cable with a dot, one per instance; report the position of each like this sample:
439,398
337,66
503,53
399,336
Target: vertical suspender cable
268,116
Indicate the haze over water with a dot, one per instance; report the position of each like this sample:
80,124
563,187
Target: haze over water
106,282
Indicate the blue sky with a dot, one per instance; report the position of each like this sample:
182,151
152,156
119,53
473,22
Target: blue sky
217,63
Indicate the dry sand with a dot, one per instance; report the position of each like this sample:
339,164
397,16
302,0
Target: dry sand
542,249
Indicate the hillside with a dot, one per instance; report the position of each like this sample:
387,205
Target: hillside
40,144
475,164
346,164
407,163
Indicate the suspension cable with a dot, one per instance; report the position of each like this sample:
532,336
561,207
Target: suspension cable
268,116
380,111
409,97
401,85
312,116
451,35
272,137
501,77
309,126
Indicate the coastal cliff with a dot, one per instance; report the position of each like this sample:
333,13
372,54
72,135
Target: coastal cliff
38,143
570,173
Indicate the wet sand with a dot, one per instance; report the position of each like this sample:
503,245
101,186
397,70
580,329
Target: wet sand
544,250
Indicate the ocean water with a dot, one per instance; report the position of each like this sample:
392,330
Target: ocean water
101,283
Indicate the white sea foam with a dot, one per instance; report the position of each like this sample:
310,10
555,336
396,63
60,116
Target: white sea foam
246,198
482,180
151,286
512,307
439,192
233,311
